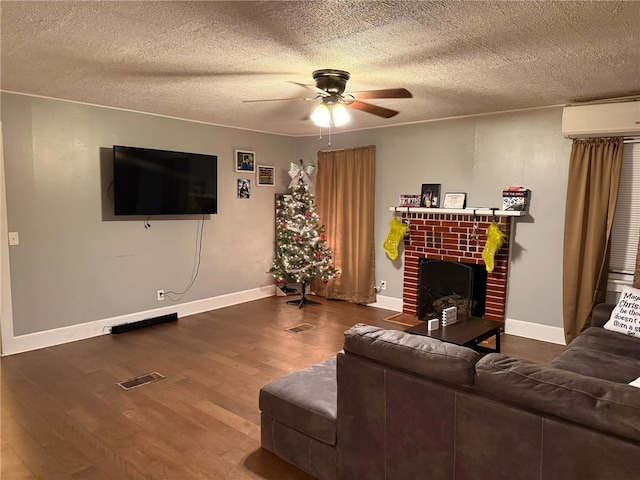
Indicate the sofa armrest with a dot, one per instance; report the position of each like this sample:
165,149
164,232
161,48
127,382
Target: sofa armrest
601,313
600,404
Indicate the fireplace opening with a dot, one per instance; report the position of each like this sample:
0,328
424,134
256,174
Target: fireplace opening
444,284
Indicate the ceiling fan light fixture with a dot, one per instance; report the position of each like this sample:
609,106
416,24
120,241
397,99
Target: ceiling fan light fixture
340,115
330,113
321,116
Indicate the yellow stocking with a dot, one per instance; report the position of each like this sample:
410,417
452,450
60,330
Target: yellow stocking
495,239
396,232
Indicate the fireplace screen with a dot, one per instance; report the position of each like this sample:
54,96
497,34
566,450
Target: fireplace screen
451,284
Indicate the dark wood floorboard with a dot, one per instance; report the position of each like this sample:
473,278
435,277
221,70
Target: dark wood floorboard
64,417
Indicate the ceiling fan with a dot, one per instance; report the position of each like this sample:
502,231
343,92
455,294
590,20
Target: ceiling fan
330,86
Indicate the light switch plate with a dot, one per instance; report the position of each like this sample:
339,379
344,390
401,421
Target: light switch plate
14,239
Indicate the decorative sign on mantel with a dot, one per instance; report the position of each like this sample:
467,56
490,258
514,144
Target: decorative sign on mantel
516,198
409,201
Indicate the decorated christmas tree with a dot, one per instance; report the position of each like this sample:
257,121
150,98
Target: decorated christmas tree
302,250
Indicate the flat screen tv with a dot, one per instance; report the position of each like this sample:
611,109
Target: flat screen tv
160,182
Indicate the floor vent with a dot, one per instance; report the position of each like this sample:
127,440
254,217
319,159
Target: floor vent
141,380
301,328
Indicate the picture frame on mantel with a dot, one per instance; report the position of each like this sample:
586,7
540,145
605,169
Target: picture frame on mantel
454,200
430,195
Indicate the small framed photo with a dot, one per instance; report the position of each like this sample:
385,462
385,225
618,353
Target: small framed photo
454,200
244,188
245,161
266,176
430,195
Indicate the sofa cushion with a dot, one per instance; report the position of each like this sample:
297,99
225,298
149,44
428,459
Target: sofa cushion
600,353
425,356
305,401
607,406
625,317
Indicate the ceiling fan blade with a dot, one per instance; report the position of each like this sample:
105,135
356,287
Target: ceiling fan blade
317,90
279,100
373,109
385,93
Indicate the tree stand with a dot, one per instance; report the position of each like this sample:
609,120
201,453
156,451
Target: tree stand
303,299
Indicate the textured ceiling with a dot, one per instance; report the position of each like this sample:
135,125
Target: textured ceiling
201,60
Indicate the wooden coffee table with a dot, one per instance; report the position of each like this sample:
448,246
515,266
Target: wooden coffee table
468,333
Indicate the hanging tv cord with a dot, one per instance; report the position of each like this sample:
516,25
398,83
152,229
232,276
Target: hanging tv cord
196,264
146,222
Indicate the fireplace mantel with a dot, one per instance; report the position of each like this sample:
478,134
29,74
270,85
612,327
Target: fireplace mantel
460,211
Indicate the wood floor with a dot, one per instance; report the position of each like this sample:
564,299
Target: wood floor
64,417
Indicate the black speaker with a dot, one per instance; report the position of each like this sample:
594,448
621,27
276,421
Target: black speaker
148,322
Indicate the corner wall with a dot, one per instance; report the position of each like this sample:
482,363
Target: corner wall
480,156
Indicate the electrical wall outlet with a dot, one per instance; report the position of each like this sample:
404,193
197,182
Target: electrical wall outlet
383,284
160,295
14,239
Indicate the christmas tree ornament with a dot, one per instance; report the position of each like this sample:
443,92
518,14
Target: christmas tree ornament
495,239
300,173
397,231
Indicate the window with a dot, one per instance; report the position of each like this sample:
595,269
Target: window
626,222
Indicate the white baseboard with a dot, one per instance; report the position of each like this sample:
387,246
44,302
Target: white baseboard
388,303
534,331
57,336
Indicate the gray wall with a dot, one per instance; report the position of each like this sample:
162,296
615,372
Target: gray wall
478,155
75,262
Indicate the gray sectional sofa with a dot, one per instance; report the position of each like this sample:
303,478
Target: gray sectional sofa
397,406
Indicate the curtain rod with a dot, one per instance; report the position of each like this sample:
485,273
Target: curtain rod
347,149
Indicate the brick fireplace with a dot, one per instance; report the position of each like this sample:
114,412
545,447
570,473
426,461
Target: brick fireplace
451,237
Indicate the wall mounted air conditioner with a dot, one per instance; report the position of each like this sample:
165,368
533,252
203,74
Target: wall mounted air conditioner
601,120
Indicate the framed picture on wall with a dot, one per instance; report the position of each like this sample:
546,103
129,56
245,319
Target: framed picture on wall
245,161
244,188
430,195
266,175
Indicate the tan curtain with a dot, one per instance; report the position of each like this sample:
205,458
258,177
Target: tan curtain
594,175
636,273
345,187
